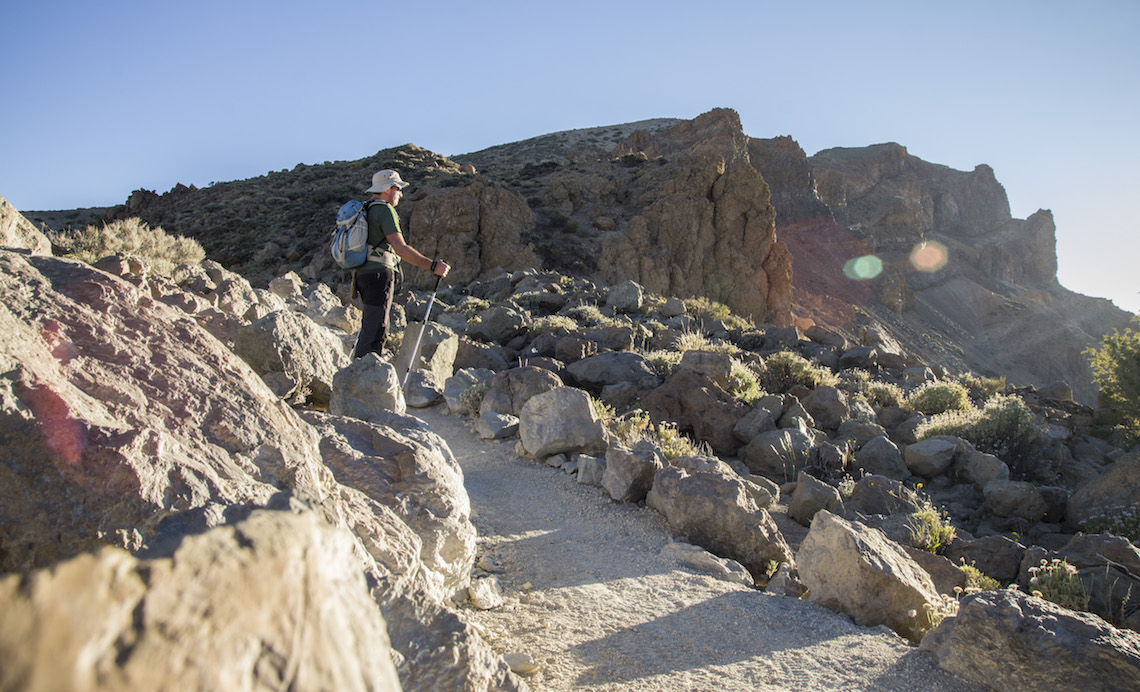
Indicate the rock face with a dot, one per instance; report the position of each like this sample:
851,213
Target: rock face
16,232
123,422
110,621
955,263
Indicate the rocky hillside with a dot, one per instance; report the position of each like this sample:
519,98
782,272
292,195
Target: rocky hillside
698,208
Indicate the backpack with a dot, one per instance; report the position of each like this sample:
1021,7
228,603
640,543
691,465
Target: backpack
350,239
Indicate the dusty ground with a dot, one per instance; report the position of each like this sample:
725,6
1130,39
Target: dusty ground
591,598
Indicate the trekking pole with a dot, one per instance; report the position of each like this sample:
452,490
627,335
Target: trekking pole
420,338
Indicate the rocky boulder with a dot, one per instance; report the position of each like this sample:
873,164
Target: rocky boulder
854,569
718,512
560,421
696,403
17,233
226,610
294,355
1006,640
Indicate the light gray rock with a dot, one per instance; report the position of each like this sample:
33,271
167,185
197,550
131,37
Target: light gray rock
1006,640
290,343
719,514
854,569
881,457
701,560
208,617
978,468
365,388
627,297
438,350
560,420
1115,489
591,469
613,367
460,382
827,406
497,324
496,426
508,391
779,454
629,473
930,457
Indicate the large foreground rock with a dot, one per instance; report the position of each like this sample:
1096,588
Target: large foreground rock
277,601
855,569
297,357
560,421
1007,640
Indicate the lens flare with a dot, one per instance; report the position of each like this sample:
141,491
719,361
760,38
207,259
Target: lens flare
929,256
865,267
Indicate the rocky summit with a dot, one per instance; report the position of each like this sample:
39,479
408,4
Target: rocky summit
201,490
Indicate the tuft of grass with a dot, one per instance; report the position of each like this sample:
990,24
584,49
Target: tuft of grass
589,316
930,528
472,397
553,323
163,252
976,580
1056,580
783,370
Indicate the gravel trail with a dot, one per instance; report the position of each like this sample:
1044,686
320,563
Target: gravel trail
592,599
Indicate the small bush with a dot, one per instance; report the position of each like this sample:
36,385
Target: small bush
161,251
673,443
472,397
930,528
1116,370
1004,427
589,316
982,388
553,323
1121,520
932,398
781,371
743,384
1057,581
884,394
976,580
664,362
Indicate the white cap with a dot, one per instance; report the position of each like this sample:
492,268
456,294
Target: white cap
385,179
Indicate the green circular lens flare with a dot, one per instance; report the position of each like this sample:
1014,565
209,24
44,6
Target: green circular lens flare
865,267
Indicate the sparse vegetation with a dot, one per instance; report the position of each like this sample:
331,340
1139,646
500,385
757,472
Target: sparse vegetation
1116,371
933,398
930,527
1056,580
1121,520
783,370
163,252
1004,427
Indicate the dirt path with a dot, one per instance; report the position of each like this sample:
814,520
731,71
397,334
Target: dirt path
591,598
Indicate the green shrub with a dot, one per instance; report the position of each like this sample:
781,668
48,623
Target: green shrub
884,394
743,384
930,528
1004,427
1120,520
664,362
161,251
781,371
981,388
1057,581
976,580
472,397
589,316
1116,370
932,398
553,323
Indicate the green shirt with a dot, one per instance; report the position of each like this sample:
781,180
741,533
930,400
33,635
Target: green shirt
382,222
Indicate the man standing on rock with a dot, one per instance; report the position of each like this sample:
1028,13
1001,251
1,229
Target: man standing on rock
376,280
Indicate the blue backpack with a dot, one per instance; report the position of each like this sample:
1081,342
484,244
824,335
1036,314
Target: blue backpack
350,239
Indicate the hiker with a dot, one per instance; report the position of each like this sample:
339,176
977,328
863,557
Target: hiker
376,280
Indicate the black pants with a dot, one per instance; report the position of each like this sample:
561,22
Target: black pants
375,289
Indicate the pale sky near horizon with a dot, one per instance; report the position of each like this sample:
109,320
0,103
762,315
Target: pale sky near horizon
105,98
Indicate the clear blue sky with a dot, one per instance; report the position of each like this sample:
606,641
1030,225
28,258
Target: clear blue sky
102,98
